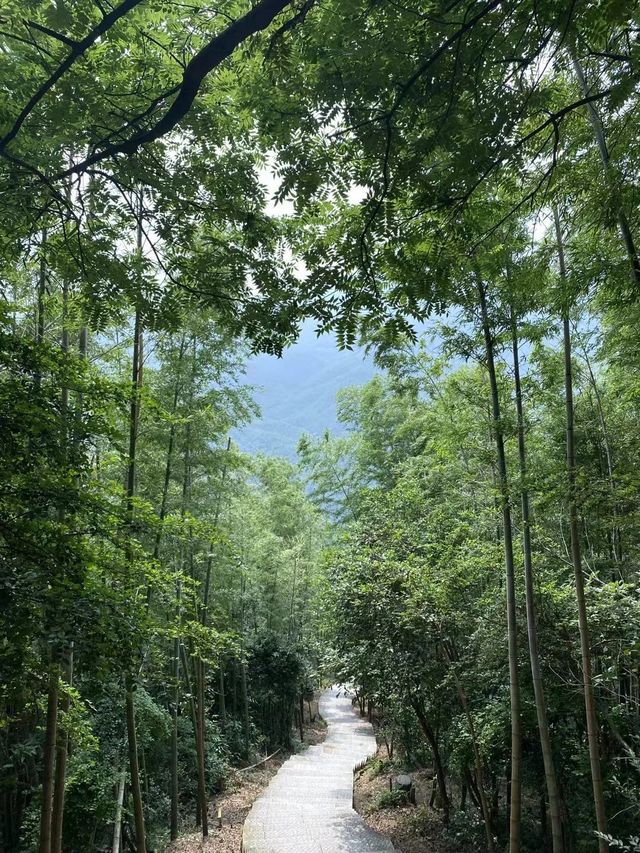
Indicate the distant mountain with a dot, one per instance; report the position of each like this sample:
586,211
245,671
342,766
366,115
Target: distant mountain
297,393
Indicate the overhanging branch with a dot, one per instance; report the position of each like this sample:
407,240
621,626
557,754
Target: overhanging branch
74,54
208,58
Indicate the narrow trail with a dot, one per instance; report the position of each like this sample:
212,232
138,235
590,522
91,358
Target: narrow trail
307,808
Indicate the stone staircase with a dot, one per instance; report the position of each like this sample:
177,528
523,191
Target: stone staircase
308,807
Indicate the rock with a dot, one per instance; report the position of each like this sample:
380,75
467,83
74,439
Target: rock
403,782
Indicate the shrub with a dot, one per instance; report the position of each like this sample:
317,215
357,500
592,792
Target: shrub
390,800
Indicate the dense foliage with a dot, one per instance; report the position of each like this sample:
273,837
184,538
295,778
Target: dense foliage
476,160
174,589
417,596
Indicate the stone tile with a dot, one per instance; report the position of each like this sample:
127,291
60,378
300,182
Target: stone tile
307,806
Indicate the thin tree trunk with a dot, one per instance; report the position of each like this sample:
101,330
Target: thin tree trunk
221,697
194,719
205,601
477,758
48,774
199,674
293,597
173,758
207,580
176,651
425,725
55,772
514,684
615,533
576,558
301,714
62,737
40,300
200,749
134,418
62,750
117,823
134,770
246,721
556,809
83,345
42,289
187,681
603,150
134,410
169,460
234,685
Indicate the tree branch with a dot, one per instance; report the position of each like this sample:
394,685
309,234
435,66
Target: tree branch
52,33
80,48
208,58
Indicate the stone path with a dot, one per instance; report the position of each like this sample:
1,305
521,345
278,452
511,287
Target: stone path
307,808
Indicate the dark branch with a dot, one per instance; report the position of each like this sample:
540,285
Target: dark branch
297,19
79,49
446,44
433,57
52,33
211,55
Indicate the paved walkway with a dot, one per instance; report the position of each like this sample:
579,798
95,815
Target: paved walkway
307,808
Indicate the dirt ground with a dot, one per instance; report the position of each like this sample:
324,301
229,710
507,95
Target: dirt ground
411,829
243,788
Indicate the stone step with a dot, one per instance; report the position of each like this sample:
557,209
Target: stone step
307,806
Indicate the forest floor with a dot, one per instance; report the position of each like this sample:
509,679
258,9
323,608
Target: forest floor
241,791
411,829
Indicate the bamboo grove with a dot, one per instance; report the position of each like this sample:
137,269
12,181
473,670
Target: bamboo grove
183,185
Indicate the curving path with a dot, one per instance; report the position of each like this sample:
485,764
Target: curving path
307,808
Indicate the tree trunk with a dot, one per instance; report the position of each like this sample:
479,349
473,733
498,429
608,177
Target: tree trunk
199,673
234,685
616,536
62,750
168,464
246,721
477,758
556,808
603,150
301,714
54,768
134,770
222,704
200,748
194,723
207,580
514,684
131,489
437,759
40,300
134,410
117,823
173,756
134,418
576,558
83,345
48,772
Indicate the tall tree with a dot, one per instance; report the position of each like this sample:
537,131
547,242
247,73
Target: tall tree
593,729
556,807
507,534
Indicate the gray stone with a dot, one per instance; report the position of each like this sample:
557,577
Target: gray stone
307,808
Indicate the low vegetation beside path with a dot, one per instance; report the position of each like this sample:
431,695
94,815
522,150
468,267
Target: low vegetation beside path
411,828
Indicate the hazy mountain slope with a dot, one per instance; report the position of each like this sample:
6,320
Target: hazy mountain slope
297,393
